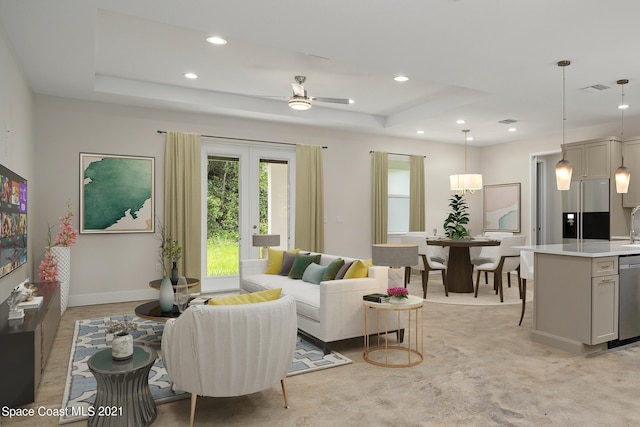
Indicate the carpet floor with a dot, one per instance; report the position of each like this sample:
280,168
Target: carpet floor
480,369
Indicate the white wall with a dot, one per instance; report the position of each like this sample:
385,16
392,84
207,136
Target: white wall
17,146
118,267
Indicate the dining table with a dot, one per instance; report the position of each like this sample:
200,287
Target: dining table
459,267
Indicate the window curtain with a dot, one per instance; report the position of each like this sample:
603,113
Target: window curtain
182,209
309,198
416,194
380,197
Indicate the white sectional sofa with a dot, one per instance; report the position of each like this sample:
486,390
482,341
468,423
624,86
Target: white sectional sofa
330,311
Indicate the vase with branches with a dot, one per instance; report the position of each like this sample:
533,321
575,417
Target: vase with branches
170,250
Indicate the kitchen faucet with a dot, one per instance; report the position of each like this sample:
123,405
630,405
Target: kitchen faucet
632,233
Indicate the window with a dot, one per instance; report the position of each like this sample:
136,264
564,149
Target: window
398,202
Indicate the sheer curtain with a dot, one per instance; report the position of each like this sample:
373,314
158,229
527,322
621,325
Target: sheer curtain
380,197
182,160
309,198
416,193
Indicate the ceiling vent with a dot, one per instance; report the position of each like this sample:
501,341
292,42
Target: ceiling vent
595,88
507,121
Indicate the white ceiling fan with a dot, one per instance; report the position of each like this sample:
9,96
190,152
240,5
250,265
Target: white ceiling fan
300,101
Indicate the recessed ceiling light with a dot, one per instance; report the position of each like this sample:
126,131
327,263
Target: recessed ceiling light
420,132
460,121
512,129
469,138
623,106
216,40
352,101
191,75
401,78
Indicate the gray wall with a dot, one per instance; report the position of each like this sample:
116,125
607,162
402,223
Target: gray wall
17,146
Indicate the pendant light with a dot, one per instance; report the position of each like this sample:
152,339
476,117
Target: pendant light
622,173
465,182
563,167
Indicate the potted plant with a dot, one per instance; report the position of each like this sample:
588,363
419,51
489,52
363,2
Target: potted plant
122,343
458,217
397,295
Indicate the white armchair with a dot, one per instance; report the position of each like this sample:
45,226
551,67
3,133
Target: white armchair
230,350
509,260
430,258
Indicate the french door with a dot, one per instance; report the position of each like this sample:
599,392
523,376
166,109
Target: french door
246,190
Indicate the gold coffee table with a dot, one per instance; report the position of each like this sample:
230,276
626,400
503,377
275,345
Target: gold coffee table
389,316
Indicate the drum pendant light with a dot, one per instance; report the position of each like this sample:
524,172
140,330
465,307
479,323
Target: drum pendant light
465,182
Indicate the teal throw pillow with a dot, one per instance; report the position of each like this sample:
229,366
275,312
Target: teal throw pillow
300,264
332,269
314,273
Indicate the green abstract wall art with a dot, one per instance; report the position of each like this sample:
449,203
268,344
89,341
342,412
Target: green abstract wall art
116,194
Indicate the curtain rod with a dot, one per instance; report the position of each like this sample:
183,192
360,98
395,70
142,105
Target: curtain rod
399,154
243,139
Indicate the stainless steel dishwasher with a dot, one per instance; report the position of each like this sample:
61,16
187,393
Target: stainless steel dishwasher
629,307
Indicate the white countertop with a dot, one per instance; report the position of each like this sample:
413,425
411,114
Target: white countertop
586,249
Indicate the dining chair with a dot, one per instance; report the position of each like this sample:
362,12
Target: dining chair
509,260
430,258
490,253
526,273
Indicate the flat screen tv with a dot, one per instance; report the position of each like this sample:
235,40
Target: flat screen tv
13,220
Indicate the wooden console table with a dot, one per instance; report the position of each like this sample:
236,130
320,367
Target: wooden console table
25,345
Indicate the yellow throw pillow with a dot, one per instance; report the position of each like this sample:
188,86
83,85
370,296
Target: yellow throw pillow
261,296
357,270
274,263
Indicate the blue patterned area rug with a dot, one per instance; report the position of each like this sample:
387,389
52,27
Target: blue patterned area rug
90,336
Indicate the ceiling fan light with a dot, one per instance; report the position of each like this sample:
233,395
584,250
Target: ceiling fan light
299,104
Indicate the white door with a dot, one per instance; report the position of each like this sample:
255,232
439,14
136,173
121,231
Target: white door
246,190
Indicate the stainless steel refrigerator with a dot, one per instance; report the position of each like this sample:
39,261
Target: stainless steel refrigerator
585,211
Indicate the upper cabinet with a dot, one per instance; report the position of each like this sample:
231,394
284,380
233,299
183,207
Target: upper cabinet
631,153
590,160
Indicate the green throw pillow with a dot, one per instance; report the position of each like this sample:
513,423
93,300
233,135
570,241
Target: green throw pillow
300,264
333,268
314,273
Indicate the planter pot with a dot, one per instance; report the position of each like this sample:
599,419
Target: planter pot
63,259
122,346
397,300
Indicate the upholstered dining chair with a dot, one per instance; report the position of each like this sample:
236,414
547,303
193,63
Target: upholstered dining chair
509,260
526,273
230,350
490,253
430,258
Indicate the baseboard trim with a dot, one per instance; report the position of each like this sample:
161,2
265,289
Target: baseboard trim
112,297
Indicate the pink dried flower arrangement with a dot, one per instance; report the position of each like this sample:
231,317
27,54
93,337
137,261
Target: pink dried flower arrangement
48,270
398,292
67,234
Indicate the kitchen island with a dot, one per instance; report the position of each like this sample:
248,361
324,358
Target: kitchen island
576,294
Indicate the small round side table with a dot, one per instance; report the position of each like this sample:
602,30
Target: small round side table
123,396
389,317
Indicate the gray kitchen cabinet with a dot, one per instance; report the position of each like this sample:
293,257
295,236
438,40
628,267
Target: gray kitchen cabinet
631,153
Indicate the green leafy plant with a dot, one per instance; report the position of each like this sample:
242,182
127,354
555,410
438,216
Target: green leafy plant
457,218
